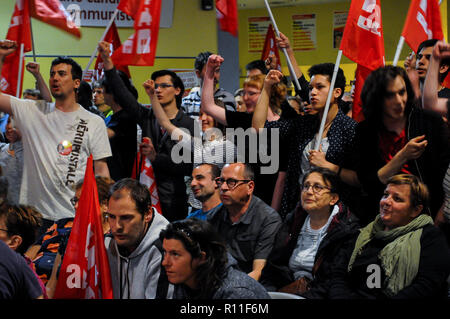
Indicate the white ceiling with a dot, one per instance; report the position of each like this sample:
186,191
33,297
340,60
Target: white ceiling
252,4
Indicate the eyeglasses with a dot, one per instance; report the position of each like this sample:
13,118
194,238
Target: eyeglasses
163,86
231,182
5,230
317,188
249,93
419,56
74,200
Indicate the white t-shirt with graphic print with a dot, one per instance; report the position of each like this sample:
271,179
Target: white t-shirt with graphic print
56,148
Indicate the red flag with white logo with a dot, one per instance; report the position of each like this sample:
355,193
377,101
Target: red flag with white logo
19,31
363,43
147,177
54,13
85,272
422,22
140,48
270,47
227,14
112,36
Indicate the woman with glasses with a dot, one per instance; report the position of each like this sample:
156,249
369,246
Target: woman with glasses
307,243
198,265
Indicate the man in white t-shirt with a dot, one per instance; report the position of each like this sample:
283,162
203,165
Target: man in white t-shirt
57,140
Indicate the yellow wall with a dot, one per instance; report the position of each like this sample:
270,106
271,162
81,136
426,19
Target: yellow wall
393,17
193,30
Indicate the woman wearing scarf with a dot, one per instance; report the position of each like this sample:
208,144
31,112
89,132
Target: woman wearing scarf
401,254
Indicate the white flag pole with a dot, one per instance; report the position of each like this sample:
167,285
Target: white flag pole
327,105
19,78
101,39
291,69
399,50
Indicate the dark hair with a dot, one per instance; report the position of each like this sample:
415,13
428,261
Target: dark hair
374,91
215,170
327,69
257,64
126,81
138,192
84,95
97,85
4,184
328,176
431,43
176,81
200,236
33,92
24,221
427,43
103,187
76,71
201,59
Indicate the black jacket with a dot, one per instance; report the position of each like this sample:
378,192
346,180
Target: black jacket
341,232
430,282
430,166
168,174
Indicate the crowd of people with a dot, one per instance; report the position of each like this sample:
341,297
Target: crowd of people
255,197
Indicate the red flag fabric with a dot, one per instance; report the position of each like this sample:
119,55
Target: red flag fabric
85,272
112,36
227,14
363,43
147,177
270,47
19,31
54,13
422,22
140,48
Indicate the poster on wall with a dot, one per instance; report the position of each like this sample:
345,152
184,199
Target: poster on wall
97,13
339,20
304,32
257,30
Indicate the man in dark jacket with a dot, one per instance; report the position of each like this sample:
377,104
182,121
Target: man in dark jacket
169,175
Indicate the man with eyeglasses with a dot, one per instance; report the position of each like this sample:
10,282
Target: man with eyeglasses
247,224
157,148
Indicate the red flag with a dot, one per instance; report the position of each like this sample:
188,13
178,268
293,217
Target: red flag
112,36
140,48
227,14
270,47
363,43
422,22
19,31
147,177
54,13
85,270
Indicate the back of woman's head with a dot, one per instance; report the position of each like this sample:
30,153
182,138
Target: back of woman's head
419,194
374,91
21,220
199,236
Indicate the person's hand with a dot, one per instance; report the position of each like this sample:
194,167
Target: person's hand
149,87
214,62
33,68
441,50
317,158
410,61
271,62
104,50
6,48
283,41
414,148
147,148
272,78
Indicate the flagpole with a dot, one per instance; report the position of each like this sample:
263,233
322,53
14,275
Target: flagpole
19,78
291,68
399,50
327,105
32,41
111,21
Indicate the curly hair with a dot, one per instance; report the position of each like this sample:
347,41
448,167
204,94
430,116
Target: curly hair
277,94
374,92
21,220
199,236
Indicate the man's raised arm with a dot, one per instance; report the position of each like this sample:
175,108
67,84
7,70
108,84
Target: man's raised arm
6,48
